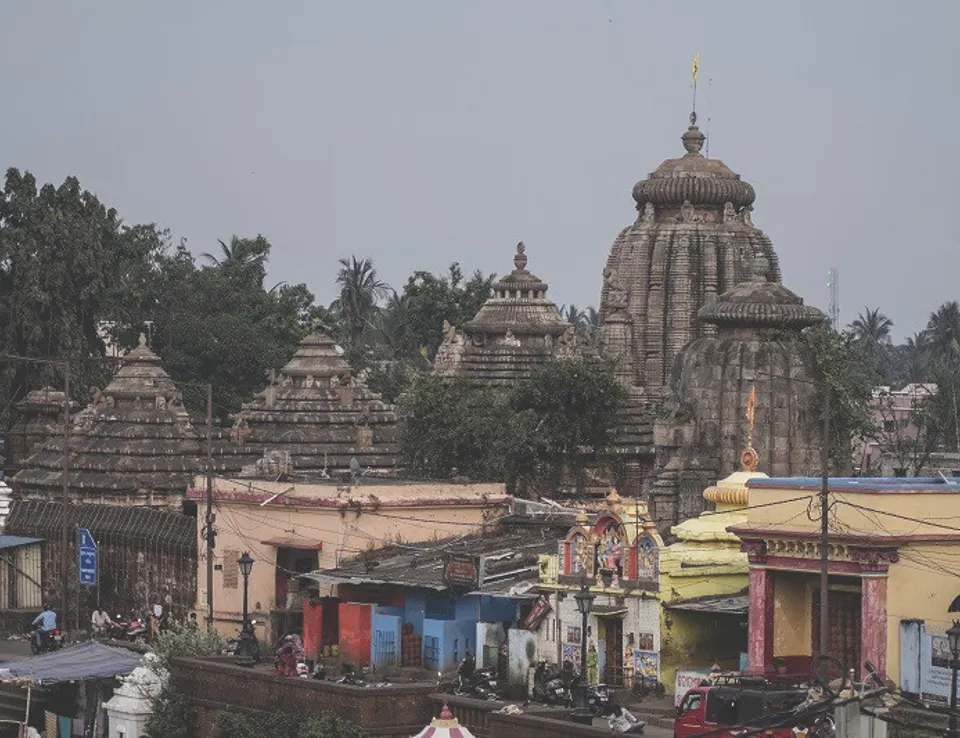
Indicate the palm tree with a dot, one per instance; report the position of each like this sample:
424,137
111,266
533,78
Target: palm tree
872,328
942,336
245,257
360,293
573,315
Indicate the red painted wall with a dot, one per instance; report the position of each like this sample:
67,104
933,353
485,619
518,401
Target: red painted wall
355,632
312,628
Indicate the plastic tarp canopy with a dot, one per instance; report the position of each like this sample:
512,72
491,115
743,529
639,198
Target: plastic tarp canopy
87,661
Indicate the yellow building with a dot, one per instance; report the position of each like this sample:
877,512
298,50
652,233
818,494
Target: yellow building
892,547
292,528
703,584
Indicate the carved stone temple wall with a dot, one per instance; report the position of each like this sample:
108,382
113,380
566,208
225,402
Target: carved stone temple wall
515,331
693,241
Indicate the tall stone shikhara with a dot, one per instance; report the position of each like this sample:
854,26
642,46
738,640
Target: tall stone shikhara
515,331
685,368
693,240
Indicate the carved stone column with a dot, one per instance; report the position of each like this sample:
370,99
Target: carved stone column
874,568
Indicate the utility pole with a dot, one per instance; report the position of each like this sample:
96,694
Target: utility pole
824,510
65,501
209,517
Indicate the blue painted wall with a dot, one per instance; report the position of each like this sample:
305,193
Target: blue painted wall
385,628
416,610
498,609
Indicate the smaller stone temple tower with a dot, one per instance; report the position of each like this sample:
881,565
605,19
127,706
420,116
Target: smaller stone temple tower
516,330
133,445
751,381
316,416
39,418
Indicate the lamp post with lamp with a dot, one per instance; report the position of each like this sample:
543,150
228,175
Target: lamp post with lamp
245,648
953,636
584,599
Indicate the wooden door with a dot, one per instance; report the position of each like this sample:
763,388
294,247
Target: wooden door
843,638
613,652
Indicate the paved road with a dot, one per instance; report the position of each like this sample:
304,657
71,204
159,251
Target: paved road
14,650
651,731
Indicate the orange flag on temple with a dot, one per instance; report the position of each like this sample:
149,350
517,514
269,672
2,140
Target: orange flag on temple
750,403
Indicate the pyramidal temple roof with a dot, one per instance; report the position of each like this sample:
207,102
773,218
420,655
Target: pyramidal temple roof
316,410
134,443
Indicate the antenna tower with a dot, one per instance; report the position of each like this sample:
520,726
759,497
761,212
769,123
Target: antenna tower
833,284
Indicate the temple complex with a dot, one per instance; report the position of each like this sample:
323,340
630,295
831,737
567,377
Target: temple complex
39,417
133,445
693,242
749,381
316,415
515,331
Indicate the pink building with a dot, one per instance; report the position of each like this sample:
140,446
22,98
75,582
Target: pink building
893,450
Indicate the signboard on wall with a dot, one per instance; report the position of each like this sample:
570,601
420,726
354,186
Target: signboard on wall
685,681
462,571
541,608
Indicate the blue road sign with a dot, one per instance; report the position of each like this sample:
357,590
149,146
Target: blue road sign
87,554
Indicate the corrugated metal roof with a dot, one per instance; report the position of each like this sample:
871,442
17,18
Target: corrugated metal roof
735,604
17,541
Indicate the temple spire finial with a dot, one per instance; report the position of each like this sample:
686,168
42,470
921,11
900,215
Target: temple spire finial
520,260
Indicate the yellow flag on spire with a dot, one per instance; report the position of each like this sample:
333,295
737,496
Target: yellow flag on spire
751,401
696,65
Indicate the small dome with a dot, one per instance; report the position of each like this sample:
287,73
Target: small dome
762,304
693,178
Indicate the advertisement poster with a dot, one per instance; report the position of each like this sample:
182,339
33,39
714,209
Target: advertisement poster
573,634
686,680
571,653
645,641
646,663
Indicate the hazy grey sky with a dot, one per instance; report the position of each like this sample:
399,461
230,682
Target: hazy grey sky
426,131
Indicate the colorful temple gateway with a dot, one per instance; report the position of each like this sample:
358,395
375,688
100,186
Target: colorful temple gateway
613,549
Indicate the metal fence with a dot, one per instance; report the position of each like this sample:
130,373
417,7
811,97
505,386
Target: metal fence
385,648
431,652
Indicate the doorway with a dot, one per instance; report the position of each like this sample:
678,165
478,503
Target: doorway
843,638
613,651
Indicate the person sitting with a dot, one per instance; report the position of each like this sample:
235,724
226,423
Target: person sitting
623,721
45,622
99,622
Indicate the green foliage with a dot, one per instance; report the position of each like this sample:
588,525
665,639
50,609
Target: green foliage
67,262
185,642
453,426
430,299
566,413
174,715
849,373
284,725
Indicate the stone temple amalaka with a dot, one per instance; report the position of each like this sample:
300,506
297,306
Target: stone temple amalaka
133,445
693,241
757,351
515,331
316,415
39,417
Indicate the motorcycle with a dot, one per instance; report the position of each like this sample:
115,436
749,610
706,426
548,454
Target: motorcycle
597,696
139,629
117,630
548,686
471,681
647,686
349,676
52,640
233,645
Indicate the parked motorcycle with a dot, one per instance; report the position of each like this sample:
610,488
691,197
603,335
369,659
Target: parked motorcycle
474,682
350,676
548,686
52,640
117,630
647,686
597,696
138,629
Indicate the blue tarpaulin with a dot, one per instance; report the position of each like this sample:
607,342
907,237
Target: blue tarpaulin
87,661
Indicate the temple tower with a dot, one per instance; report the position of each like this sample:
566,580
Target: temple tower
693,240
133,445
515,331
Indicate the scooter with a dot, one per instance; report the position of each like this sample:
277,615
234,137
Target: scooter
548,687
481,683
52,640
138,629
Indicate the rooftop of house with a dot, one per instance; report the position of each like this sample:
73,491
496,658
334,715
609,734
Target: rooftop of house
369,494
509,550
941,484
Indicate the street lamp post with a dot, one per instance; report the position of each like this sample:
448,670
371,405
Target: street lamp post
584,600
953,635
245,646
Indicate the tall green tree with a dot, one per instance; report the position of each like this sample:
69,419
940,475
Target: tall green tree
68,264
361,291
871,332
942,336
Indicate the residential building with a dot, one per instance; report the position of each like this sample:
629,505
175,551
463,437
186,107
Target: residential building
296,527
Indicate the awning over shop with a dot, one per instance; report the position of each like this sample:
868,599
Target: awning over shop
87,661
17,541
604,611
735,604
